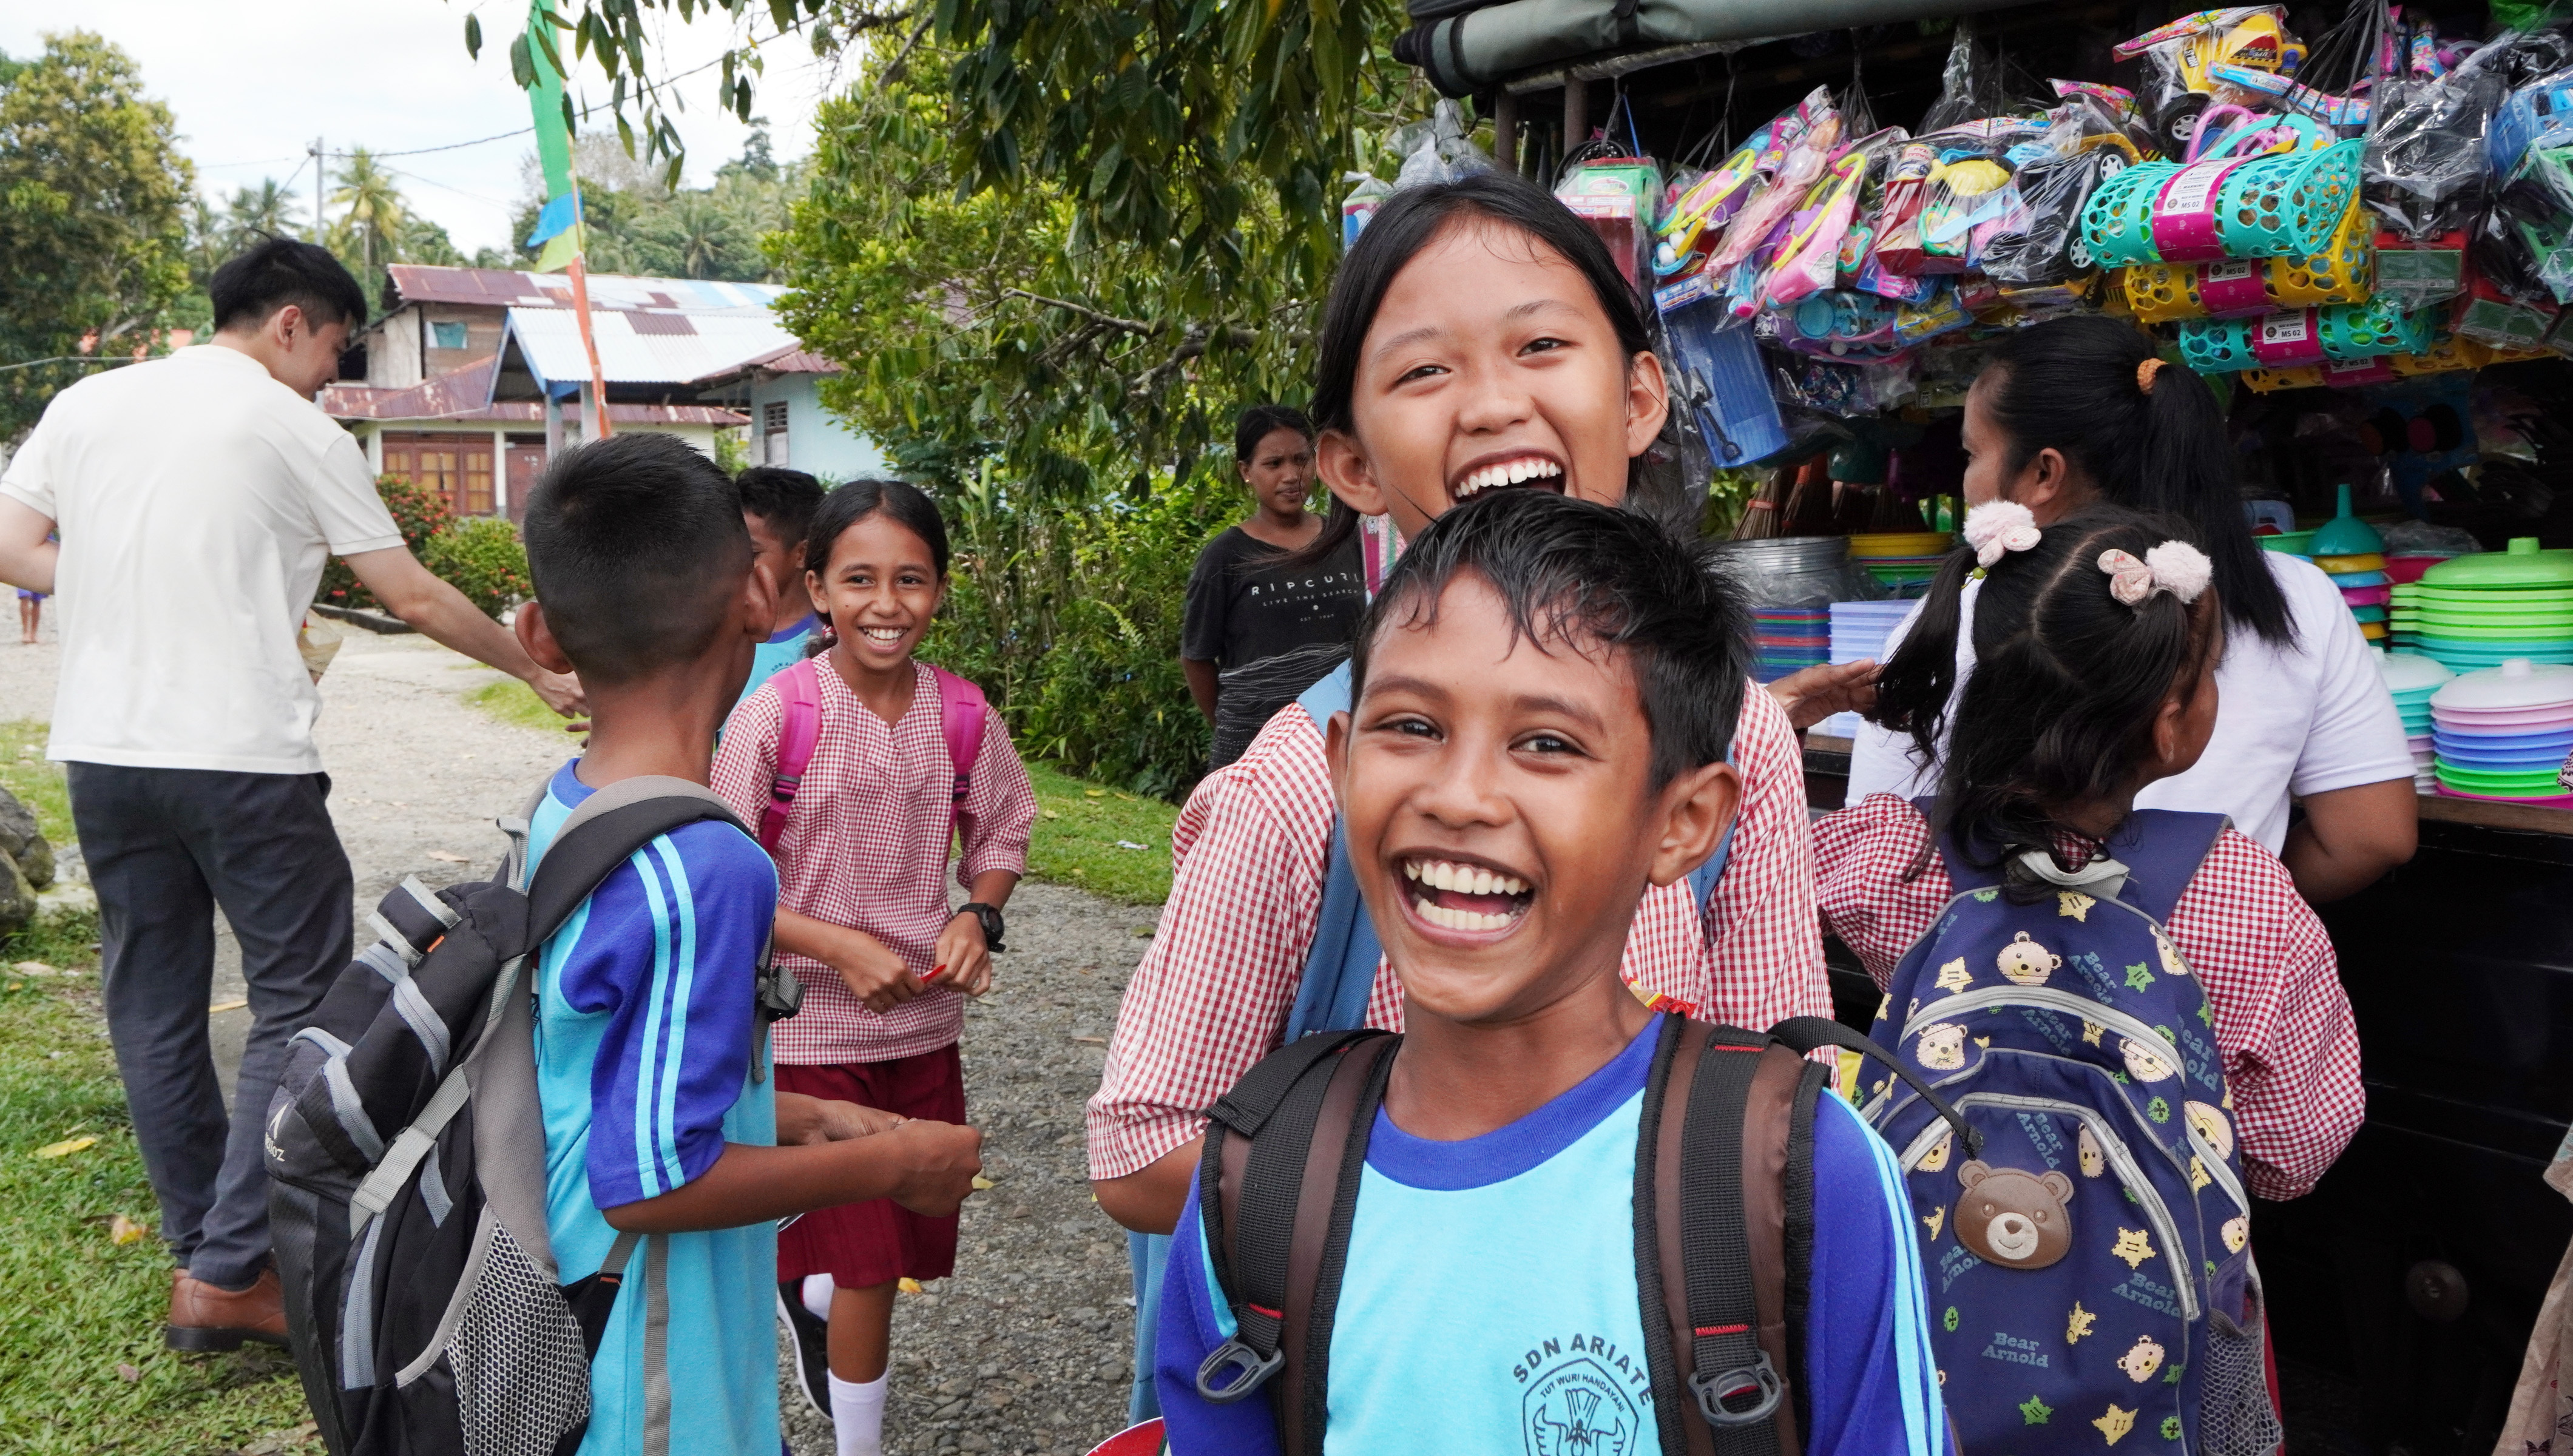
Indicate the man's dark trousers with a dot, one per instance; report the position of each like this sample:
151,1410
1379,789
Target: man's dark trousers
163,848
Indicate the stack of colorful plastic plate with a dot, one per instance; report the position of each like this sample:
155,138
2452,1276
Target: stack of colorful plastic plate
1859,630
2503,732
1790,639
2364,587
2412,680
2480,611
1903,560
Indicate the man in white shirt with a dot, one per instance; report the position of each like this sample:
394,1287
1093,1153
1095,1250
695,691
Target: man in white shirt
197,498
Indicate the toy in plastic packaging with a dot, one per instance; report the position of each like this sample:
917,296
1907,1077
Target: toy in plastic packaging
1717,383
2427,171
2039,240
1617,198
1898,215
1809,259
1799,168
1842,325
1439,149
2181,60
1696,218
1965,197
1359,206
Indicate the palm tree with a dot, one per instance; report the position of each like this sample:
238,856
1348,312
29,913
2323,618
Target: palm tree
268,208
372,208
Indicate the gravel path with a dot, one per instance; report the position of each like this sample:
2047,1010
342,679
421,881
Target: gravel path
1026,1349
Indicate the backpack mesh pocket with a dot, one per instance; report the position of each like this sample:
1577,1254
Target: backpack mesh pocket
2235,1417
522,1380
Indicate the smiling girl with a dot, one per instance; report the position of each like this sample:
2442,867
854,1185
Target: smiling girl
862,917
1478,337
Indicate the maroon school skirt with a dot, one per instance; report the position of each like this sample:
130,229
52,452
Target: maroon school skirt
876,1243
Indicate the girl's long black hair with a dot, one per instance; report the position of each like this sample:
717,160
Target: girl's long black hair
1409,222
2070,385
2066,684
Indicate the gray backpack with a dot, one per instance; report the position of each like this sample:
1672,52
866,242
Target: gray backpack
407,1162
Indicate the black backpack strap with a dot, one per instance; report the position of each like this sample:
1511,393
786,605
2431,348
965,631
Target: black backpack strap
1260,1139
607,828
1812,1084
1805,1034
1730,1189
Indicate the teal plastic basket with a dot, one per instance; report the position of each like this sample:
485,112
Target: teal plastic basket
2364,330
2270,207
2217,346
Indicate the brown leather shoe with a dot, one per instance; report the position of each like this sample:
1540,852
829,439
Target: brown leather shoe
205,1316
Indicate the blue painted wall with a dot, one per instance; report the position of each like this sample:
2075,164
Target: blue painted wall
816,441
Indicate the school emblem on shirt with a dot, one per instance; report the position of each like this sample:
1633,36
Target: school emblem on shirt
1578,1408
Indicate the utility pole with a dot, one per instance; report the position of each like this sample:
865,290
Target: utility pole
320,157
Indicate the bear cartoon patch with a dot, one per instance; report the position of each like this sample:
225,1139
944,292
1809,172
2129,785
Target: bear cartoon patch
2026,963
2169,955
2238,1233
1935,1160
1943,1047
2211,1129
2142,1359
2146,1062
2013,1218
2087,1148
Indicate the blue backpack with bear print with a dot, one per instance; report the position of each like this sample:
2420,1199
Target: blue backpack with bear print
2090,1280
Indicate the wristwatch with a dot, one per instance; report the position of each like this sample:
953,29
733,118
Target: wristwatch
990,917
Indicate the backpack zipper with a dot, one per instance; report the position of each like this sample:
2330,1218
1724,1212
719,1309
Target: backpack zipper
2125,1023
2111,1146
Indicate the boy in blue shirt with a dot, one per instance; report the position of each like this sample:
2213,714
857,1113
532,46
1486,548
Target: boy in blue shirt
777,507
1543,696
660,1118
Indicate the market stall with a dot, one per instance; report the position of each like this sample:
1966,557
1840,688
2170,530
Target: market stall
2355,220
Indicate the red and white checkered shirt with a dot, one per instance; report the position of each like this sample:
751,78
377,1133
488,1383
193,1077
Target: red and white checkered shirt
2282,1020
1251,850
866,845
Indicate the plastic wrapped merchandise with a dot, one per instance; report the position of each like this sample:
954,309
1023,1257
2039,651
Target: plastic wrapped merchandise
1718,386
2041,241
1439,149
2426,172
1359,208
1801,165
1618,198
2181,58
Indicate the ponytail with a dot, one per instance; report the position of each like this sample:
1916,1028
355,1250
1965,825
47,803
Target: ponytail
2150,438
1912,692
2069,679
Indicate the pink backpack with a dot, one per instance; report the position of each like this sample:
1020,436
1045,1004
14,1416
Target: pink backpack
960,719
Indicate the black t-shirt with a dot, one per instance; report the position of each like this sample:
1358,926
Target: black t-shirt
1243,607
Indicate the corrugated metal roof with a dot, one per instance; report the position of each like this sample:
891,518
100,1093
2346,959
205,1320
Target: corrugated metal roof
548,339
420,282
792,359
465,395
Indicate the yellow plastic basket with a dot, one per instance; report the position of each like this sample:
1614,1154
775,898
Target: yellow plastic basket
2345,272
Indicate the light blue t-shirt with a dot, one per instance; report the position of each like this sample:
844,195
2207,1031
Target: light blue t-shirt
1488,1302
646,1030
783,649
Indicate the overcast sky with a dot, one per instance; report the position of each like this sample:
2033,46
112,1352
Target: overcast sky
253,82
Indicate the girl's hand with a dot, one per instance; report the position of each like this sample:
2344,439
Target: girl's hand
871,971
1817,693
963,961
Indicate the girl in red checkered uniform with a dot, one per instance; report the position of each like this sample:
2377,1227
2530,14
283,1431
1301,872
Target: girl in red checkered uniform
2095,644
863,915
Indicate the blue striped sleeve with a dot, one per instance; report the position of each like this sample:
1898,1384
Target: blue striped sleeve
669,954
1868,1362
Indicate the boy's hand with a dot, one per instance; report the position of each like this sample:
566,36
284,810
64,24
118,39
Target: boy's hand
938,1162
872,972
963,961
805,1120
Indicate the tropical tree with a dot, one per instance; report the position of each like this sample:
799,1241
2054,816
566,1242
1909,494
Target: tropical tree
270,208
371,209
93,215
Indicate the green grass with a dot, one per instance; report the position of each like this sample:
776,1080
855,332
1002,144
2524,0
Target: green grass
78,1309
75,1305
1078,829
512,701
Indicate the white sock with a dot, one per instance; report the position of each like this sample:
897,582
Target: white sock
817,1296
857,1414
